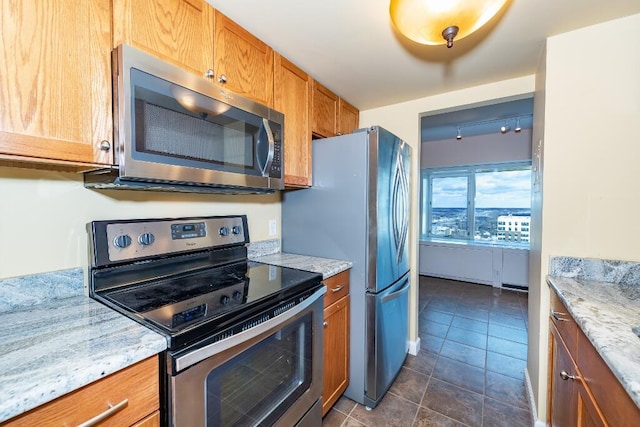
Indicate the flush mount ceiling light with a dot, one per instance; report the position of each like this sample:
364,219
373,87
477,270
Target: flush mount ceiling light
435,22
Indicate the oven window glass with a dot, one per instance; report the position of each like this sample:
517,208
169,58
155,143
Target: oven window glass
190,129
256,387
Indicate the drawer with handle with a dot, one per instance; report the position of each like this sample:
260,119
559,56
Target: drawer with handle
120,399
337,287
564,322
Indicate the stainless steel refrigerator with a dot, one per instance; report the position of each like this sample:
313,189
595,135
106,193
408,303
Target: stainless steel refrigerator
358,210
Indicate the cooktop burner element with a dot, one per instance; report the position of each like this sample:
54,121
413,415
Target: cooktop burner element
187,278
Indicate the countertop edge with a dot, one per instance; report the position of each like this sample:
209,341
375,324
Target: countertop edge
614,341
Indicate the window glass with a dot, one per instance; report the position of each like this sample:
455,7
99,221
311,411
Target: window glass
449,207
502,196
489,203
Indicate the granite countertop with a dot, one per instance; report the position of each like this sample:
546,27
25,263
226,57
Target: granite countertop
55,340
606,312
325,266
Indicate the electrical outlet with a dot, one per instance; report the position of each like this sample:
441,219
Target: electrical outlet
273,228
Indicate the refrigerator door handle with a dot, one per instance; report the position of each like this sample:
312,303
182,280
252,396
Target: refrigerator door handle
396,294
399,209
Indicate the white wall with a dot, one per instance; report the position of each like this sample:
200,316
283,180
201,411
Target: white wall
591,177
472,150
43,216
476,263
403,119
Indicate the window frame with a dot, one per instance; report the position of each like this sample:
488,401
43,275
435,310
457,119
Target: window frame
426,202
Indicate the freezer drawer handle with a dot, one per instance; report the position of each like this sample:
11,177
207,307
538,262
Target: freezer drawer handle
337,288
395,294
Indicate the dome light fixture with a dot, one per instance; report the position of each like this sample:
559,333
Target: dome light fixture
436,22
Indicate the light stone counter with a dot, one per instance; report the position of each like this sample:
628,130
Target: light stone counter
604,299
55,340
326,267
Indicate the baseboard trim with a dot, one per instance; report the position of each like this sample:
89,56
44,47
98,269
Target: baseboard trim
414,347
535,422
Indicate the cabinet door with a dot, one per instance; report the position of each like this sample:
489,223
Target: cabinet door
336,352
588,413
152,420
292,96
348,117
179,31
563,392
242,61
55,81
324,111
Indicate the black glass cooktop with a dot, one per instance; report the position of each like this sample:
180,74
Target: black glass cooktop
192,304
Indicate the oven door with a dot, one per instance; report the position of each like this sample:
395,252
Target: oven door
270,374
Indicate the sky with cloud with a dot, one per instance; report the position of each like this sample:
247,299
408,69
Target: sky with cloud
504,189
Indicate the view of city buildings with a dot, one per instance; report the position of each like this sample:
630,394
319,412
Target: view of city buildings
491,224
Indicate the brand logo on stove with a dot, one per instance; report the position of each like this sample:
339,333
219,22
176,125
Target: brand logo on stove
191,244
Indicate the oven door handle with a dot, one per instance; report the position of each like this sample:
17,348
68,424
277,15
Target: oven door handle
193,357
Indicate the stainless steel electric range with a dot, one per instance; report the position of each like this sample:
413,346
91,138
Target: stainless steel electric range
244,338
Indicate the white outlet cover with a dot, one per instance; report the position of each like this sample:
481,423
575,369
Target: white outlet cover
273,228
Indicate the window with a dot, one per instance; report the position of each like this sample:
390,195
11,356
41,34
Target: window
489,203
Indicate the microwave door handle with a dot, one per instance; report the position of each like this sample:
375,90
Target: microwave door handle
272,147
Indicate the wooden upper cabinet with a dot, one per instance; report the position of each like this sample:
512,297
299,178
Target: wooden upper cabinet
55,82
179,31
348,117
243,63
292,96
324,111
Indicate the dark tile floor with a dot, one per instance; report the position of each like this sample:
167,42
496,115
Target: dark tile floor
470,368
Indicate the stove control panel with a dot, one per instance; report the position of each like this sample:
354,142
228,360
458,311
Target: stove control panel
128,240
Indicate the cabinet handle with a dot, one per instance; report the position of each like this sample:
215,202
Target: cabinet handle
555,314
222,79
337,288
209,73
565,376
325,324
105,145
106,414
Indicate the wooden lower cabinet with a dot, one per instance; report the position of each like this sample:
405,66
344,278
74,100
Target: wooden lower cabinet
570,402
134,389
336,340
582,389
152,420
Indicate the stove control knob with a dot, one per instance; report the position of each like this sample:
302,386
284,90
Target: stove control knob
236,229
237,295
224,300
122,241
145,239
224,231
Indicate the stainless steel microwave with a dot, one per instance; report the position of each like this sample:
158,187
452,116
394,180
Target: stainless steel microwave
176,131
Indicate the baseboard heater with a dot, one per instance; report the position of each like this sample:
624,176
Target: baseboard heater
516,287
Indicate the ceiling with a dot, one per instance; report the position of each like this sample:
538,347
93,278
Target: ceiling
353,49
483,120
